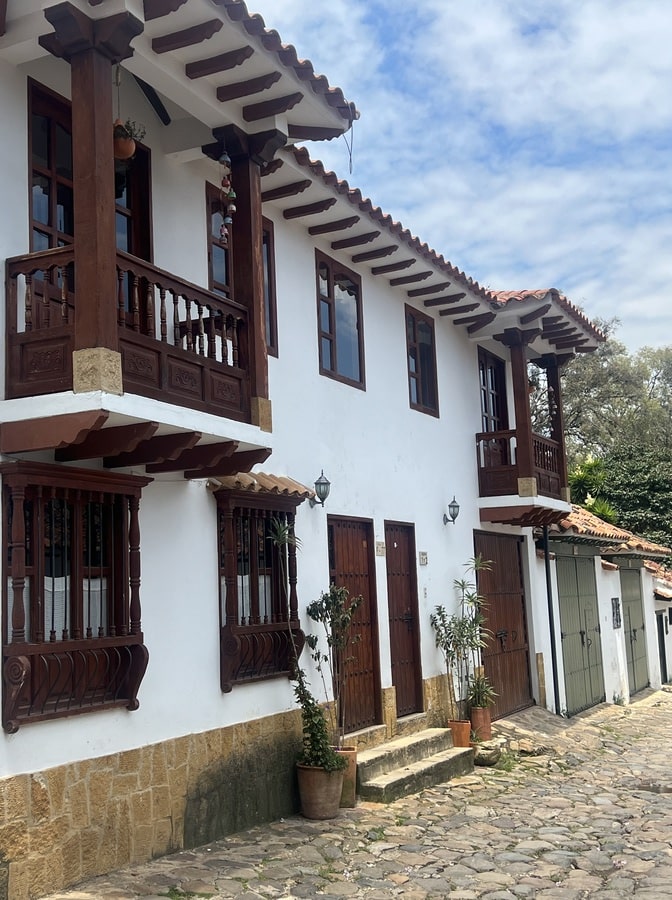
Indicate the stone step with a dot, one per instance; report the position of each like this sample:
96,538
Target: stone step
435,769
402,751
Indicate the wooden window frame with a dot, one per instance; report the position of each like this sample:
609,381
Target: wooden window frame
254,647
213,197
421,376
270,297
330,334
488,362
51,672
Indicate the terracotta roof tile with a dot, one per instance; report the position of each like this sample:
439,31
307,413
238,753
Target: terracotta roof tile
582,523
260,482
504,298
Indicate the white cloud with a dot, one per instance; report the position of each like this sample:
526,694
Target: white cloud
527,141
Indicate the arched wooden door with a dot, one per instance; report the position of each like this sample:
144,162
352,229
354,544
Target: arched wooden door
351,564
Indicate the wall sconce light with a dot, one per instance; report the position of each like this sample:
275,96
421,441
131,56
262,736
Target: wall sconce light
453,512
322,488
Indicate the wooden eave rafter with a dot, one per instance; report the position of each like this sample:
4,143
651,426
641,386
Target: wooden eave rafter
573,342
222,62
108,442
196,461
310,209
268,108
231,465
3,17
432,289
238,89
393,267
167,43
444,301
163,448
411,279
50,432
524,516
286,190
534,314
312,132
270,168
156,9
328,227
375,254
478,322
355,241
458,310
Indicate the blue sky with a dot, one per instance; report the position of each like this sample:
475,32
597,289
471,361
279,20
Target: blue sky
530,142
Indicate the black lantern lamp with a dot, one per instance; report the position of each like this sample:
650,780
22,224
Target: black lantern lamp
322,488
453,512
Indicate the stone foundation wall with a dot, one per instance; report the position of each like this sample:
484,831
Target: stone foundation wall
437,701
87,818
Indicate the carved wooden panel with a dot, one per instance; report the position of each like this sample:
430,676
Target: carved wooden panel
140,365
224,390
185,378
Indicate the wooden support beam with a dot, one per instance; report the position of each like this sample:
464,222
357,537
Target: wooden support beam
108,442
434,289
232,465
534,314
355,241
3,17
478,323
157,449
269,108
410,279
187,37
155,9
313,133
393,267
245,88
154,100
337,225
311,209
375,254
286,190
447,298
213,65
51,432
204,456
467,307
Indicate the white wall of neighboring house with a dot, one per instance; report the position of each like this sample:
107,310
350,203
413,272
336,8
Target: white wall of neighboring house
613,639
650,628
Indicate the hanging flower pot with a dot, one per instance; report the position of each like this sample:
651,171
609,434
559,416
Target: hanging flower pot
125,136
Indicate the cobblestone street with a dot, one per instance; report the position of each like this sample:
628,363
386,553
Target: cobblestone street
585,812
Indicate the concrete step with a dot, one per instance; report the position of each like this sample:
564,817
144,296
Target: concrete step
425,773
409,764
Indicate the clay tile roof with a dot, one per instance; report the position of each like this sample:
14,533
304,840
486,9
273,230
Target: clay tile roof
584,524
396,229
504,298
663,578
288,57
260,482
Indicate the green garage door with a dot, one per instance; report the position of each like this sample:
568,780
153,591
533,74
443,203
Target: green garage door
633,623
580,631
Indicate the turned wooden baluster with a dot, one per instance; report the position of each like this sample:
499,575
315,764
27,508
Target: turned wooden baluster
134,563
121,299
291,570
135,302
177,337
150,309
187,325
46,312
64,296
201,330
162,314
212,336
18,566
230,579
29,302
234,342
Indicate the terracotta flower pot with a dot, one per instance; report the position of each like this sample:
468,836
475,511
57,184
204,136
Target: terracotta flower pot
461,732
124,145
481,722
320,791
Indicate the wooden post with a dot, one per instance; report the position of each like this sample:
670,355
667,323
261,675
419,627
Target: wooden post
515,340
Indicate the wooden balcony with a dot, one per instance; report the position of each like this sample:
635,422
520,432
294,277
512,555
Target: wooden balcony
498,469
178,342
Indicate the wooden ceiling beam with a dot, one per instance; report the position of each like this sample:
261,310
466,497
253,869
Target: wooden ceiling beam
270,168
186,38
313,133
156,449
375,254
466,307
286,190
434,289
310,209
222,62
204,456
50,432
479,322
108,442
232,465
355,241
337,225
238,89
447,298
269,108
534,314
410,279
549,321
156,9
3,17
393,267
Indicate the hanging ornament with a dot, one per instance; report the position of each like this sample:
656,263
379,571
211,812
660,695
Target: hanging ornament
226,195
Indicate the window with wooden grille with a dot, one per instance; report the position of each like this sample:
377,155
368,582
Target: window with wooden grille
72,639
339,315
421,350
258,599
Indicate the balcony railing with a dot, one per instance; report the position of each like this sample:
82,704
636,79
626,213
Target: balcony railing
498,469
179,343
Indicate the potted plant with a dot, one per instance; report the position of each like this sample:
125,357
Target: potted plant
126,134
319,767
460,637
480,697
334,610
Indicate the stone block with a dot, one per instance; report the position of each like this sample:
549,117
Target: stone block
159,769
40,806
141,808
162,837
128,762
100,792
78,804
145,769
141,845
97,369
71,859
123,785
91,838
56,784
18,880
14,840
160,802
16,797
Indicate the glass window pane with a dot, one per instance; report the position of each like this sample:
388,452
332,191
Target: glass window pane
41,199
64,209
326,354
40,138
122,224
414,390
323,277
40,240
219,264
412,364
325,317
63,152
347,328
216,222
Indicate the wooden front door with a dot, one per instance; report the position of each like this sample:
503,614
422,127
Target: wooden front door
506,657
661,624
580,633
351,564
402,598
635,637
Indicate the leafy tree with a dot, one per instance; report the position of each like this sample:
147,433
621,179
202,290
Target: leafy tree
638,483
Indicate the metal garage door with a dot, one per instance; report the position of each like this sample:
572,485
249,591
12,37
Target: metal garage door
635,637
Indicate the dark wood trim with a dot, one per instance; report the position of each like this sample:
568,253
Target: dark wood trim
270,168
535,314
410,279
232,465
375,254
286,190
313,133
433,289
74,33
270,296
479,322
440,301
108,441
268,108
213,65
458,310
186,38
330,335
156,9
3,17
154,100
338,225
417,375
393,267
51,432
238,89
200,457
157,449
310,209
355,241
